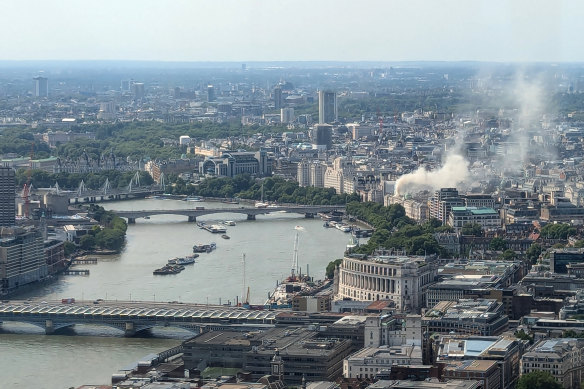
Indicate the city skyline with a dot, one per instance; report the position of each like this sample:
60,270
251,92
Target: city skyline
456,30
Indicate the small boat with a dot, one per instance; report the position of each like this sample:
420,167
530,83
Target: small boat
168,269
146,217
193,198
188,260
229,222
204,248
299,228
327,225
225,236
215,228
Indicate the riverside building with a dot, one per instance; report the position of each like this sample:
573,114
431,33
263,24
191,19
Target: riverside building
399,278
22,259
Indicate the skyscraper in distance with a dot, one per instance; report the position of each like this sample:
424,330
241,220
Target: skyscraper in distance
40,86
7,196
210,93
277,97
327,107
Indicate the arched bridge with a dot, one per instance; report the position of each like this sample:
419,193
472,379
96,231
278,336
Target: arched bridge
133,317
192,214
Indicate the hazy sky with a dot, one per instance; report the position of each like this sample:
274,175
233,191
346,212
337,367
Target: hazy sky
276,30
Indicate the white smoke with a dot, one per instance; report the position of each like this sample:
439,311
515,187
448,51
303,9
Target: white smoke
453,171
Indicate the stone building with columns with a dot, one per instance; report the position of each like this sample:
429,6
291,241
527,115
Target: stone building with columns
401,279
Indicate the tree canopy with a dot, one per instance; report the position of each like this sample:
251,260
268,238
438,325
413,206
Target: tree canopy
538,380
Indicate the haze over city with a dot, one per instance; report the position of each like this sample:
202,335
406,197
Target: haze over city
326,30
292,194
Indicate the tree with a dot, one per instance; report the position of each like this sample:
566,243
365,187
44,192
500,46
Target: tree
87,242
524,336
508,255
497,244
538,380
69,248
474,229
330,269
533,252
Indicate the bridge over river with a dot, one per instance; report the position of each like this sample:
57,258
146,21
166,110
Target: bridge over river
192,214
133,317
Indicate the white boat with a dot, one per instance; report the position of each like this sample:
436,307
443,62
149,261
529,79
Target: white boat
216,229
343,227
259,204
183,260
229,222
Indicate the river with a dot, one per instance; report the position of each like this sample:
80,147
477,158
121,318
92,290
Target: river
60,361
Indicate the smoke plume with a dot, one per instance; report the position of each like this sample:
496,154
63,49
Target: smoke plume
453,171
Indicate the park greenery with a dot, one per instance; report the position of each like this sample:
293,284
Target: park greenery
394,230
538,380
275,189
557,231
110,234
473,229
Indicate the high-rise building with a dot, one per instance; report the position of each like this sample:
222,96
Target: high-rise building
41,86
322,136
278,102
327,107
138,90
210,93
286,115
7,196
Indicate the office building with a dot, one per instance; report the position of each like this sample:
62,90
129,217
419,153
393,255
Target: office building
40,86
138,90
562,358
322,136
369,361
487,218
398,278
231,164
465,357
286,115
7,196
442,201
471,317
560,259
22,258
327,107
302,352
278,101
210,93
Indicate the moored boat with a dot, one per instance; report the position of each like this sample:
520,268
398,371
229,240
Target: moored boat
204,248
225,236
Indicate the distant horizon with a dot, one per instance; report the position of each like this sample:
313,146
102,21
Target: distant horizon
178,31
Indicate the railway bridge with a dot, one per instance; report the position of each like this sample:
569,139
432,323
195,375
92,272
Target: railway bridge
134,317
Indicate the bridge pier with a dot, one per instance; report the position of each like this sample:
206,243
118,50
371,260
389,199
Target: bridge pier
309,215
129,330
131,220
192,219
49,327
251,217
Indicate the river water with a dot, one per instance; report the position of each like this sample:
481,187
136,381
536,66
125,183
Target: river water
60,361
